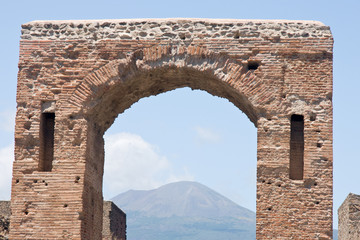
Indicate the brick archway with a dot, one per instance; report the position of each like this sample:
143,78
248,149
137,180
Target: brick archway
73,83
114,87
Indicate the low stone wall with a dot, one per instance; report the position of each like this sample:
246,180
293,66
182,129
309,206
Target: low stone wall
4,219
349,218
114,221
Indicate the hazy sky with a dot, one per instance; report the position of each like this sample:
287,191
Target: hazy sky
191,135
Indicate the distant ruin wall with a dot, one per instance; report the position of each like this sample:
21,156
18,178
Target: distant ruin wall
114,222
5,213
349,218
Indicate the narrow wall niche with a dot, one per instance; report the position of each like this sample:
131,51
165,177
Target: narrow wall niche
297,147
47,124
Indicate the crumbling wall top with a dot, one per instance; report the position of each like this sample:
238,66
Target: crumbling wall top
173,28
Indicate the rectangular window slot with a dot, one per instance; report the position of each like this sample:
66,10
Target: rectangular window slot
47,125
297,147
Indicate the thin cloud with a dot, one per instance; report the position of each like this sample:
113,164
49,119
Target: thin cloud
207,135
7,120
133,163
6,160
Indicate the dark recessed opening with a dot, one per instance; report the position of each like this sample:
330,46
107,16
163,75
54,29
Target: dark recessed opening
237,35
312,117
47,125
297,147
252,65
77,179
182,36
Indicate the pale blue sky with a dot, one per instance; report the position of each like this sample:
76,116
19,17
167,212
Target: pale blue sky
206,128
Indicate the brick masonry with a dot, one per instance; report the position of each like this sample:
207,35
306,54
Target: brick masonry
77,76
349,218
114,221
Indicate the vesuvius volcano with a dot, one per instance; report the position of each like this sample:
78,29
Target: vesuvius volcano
184,210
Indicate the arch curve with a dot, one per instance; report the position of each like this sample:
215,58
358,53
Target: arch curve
113,88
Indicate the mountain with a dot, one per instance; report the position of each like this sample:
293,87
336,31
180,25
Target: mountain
184,199
335,234
184,210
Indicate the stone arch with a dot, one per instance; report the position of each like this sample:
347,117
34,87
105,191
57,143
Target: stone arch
113,88
154,70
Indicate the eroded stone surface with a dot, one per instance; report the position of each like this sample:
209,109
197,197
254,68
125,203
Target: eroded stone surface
114,221
173,29
349,218
5,213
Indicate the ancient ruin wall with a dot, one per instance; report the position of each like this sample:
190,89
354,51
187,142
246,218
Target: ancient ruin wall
5,213
349,218
75,77
114,222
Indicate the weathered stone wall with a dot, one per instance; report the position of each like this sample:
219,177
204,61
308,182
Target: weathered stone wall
90,71
4,227
5,213
349,218
171,29
114,222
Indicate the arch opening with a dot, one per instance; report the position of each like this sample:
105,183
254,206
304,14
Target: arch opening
119,84
159,80
222,157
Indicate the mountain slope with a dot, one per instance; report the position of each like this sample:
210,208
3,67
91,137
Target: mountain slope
184,210
190,199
